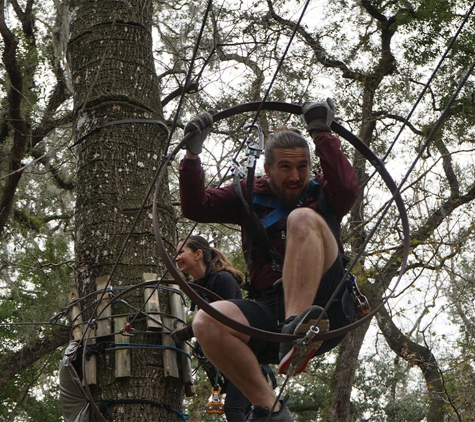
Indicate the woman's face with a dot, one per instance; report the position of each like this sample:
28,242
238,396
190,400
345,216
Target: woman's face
186,259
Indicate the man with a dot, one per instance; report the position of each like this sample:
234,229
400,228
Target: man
307,234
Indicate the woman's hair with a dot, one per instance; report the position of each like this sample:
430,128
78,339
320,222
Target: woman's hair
214,259
285,138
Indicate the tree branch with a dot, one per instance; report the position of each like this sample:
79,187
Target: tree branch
315,45
416,354
193,87
13,363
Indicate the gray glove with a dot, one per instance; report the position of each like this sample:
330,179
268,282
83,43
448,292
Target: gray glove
319,115
200,127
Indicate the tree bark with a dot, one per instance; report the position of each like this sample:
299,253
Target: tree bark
421,356
114,80
340,408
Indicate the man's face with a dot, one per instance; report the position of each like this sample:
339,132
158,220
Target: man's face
289,174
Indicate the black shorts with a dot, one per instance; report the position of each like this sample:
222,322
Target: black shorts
267,313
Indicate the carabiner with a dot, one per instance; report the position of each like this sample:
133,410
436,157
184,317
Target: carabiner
254,147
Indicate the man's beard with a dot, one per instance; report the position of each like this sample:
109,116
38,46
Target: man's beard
288,201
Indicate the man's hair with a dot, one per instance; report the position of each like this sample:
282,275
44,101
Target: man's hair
284,138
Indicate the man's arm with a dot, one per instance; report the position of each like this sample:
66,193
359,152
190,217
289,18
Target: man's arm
339,179
340,182
216,205
197,203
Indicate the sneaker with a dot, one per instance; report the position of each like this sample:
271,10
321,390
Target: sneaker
294,357
262,414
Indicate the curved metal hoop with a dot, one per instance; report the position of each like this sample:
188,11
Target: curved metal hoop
254,332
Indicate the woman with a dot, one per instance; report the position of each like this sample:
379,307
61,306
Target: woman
208,267
211,269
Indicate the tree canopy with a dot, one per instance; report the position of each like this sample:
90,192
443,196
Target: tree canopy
399,73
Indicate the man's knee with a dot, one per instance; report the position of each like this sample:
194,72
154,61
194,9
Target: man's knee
305,225
206,325
199,317
201,321
306,221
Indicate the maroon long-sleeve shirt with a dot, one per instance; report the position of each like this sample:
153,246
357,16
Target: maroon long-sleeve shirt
222,205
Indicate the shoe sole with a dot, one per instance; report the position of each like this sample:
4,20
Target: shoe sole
296,360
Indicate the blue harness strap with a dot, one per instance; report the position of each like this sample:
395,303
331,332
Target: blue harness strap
279,210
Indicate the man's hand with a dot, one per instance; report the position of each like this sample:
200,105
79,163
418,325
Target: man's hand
199,127
318,115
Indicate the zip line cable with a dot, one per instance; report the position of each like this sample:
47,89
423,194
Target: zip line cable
281,61
440,120
432,76
188,75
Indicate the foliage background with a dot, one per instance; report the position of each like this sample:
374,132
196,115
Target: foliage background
374,59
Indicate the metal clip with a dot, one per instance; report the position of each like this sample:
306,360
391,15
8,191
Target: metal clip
236,169
311,333
254,147
361,301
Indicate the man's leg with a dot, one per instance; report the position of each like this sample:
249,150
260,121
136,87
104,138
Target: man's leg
236,405
311,249
227,349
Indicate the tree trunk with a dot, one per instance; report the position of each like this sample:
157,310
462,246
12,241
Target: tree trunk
421,356
340,408
114,79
